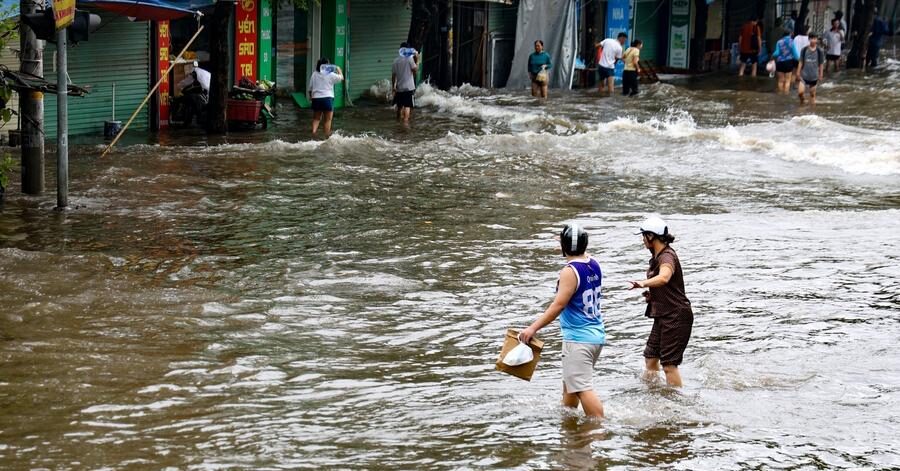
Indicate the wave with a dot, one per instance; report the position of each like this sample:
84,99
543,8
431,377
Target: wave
807,139
337,142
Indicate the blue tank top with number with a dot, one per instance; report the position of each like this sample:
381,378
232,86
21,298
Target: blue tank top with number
581,320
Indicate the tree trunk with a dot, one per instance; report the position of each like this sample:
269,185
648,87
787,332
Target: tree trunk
221,67
801,17
698,49
856,59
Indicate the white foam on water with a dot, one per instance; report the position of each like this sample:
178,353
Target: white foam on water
808,138
446,102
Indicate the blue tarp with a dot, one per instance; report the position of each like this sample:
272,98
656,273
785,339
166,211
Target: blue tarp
156,10
141,9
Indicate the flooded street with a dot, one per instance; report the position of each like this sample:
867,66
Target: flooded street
272,302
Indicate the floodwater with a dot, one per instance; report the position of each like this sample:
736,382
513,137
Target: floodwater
273,302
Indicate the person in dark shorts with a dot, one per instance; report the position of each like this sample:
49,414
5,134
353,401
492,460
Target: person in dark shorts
667,304
631,73
539,64
785,57
321,93
834,41
811,70
403,80
749,44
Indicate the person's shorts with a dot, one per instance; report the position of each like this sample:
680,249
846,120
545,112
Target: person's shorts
811,83
578,361
405,99
749,57
669,337
323,104
605,72
833,57
785,67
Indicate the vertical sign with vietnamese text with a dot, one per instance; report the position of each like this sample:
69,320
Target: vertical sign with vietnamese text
679,33
245,40
265,41
618,13
163,40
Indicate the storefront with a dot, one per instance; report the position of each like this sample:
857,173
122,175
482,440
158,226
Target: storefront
115,63
250,41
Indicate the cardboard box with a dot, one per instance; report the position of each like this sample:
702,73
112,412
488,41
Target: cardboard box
525,371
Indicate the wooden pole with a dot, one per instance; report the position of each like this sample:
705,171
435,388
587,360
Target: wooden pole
147,98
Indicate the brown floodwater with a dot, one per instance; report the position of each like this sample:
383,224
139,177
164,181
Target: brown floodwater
267,301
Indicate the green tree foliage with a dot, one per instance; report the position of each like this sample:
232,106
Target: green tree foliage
9,31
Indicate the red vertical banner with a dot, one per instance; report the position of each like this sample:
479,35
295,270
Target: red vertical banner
245,40
163,40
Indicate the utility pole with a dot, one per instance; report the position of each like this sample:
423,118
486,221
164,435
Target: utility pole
62,121
32,108
221,65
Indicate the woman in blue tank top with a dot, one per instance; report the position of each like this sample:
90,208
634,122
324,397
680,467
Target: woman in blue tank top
577,304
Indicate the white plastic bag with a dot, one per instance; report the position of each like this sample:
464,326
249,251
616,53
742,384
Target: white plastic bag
519,355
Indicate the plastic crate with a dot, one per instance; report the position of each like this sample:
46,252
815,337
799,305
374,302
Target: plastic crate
243,110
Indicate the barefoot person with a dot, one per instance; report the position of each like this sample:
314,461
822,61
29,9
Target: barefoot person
321,94
749,44
834,41
667,304
611,52
811,70
403,81
538,66
785,57
632,72
578,299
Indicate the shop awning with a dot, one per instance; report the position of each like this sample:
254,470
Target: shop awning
141,10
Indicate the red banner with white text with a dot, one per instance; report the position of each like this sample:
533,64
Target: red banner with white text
245,40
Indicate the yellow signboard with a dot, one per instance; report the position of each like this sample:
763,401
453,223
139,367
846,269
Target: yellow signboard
63,13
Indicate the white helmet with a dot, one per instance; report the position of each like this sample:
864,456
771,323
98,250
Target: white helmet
655,225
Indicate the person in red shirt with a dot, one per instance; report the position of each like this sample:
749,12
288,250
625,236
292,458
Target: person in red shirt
750,43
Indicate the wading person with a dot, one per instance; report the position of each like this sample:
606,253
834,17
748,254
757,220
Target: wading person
749,45
538,70
321,94
876,40
667,304
611,51
403,81
785,58
632,72
811,70
578,301
834,40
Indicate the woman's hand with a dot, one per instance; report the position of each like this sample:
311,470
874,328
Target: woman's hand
635,284
527,334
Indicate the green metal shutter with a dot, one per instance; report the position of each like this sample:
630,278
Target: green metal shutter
377,27
647,21
119,52
502,18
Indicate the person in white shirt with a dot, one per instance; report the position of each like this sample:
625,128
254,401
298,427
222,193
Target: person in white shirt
802,40
321,93
403,80
834,41
611,51
194,89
